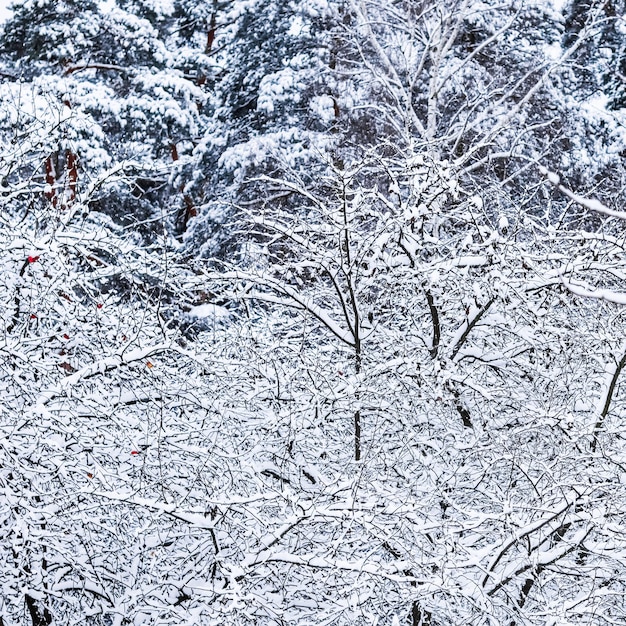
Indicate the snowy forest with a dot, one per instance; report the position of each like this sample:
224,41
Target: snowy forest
313,313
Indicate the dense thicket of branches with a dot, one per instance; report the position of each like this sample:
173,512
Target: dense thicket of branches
312,312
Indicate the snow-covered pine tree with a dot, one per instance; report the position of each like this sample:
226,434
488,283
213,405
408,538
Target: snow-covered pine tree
137,100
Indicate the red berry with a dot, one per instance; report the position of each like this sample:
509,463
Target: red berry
134,452
32,259
66,336
99,305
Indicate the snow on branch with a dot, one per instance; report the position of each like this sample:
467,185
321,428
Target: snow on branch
292,299
196,519
390,571
106,364
599,294
96,66
589,203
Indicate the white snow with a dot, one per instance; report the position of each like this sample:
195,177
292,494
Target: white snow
599,294
5,12
209,310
